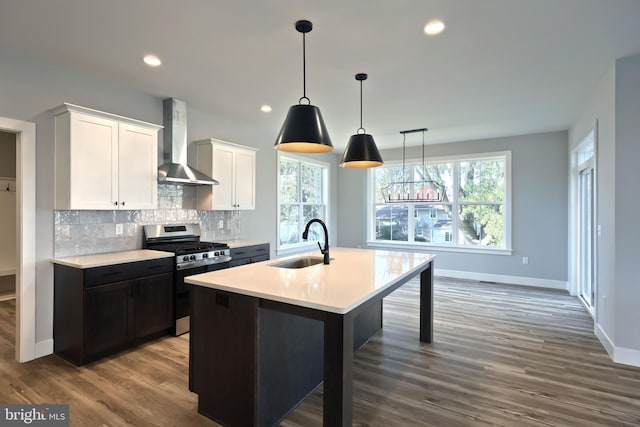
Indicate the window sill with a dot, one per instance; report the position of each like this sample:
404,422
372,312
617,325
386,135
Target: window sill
436,248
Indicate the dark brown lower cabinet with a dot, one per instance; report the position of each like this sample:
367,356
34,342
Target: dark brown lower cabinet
95,315
108,317
242,255
153,310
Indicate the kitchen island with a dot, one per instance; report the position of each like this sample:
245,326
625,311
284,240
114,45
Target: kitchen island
264,336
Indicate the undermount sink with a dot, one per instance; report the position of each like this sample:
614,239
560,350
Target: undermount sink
301,262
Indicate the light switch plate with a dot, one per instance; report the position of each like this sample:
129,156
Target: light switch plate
119,229
221,224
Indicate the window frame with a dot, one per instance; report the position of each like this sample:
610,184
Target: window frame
456,160
293,248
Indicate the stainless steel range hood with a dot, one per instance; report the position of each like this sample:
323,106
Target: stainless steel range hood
176,170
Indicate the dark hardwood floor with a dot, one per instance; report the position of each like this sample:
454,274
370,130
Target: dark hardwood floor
502,355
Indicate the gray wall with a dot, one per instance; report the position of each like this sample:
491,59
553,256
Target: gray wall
7,155
627,177
539,205
615,104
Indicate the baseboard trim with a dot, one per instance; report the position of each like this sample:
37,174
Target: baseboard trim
622,355
44,348
500,278
627,356
604,340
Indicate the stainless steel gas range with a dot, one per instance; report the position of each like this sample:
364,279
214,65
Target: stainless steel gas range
192,256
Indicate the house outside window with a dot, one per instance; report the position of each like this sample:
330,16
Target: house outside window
473,212
302,195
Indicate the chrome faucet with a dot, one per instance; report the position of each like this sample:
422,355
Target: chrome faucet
325,250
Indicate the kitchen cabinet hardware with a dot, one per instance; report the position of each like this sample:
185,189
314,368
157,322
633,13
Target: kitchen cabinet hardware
112,273
233,165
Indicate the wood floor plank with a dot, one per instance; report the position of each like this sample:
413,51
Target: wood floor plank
502,356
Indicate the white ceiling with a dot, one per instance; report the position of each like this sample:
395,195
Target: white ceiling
502,67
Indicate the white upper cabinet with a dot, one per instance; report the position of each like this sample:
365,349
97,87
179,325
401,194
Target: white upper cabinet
137,167
234,166
104,161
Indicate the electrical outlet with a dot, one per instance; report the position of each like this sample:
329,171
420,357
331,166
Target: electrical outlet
599,230
119,229
525,260
221,224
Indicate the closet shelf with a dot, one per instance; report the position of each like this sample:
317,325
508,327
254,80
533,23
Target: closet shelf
5,296
7,271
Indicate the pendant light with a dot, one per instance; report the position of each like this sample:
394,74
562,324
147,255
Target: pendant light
361,151
303,130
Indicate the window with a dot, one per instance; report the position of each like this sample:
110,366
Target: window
302,195
474,211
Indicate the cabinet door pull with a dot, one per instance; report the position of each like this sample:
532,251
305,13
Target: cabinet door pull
122,203
115,203
113,273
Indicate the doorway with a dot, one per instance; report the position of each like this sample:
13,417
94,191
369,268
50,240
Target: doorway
585,220
24,134
586,224
8,249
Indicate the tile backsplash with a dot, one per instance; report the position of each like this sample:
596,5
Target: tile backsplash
89,232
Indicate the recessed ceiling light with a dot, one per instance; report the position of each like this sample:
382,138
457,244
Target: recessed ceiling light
434,27
152,60
266,108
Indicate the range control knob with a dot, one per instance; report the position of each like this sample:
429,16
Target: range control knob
216,253
192,257
185,258
205,255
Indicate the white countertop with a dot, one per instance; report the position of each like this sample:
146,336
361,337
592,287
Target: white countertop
110,258
354,276
238,243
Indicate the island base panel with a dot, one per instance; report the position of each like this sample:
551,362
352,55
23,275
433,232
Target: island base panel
338,370
366,324
240,353
426,304
290,363
223,355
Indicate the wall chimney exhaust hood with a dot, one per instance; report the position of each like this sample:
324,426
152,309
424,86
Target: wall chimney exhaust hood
175,169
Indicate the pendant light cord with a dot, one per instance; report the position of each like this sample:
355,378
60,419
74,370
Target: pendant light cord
404,173
304,70
361,128
423,167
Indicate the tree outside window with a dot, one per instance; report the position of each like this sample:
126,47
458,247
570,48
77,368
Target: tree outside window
301,196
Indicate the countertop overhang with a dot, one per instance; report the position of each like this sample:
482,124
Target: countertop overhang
352,277
110,258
